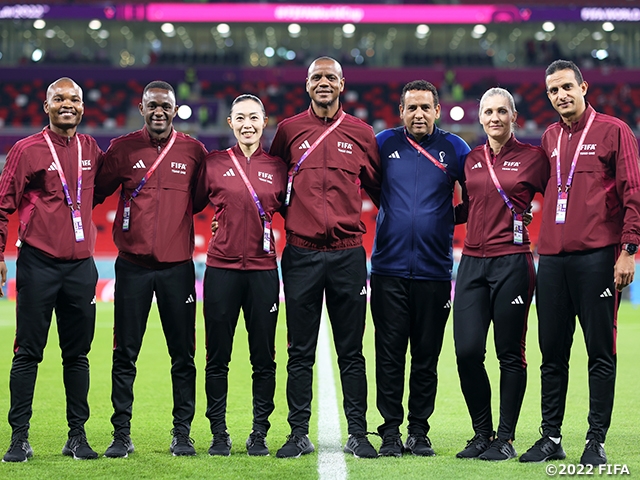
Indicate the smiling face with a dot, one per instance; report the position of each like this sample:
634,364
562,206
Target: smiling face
497,118
325,83
419,113
64,106
567,95
158,108
247,121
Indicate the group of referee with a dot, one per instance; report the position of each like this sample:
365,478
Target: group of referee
588,168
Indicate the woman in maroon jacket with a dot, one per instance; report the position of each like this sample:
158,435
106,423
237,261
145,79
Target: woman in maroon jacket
496,276
246,186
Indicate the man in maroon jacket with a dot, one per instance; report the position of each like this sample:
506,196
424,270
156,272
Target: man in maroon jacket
49,178
329,154
589,235
155,169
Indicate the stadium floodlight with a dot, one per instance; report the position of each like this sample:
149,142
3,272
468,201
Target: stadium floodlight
184,112
269,52
548,26
37,55
478,31
291,55
224,30
39,24
608,27
457,113
168,29
95,24
348,29
600,54
294,30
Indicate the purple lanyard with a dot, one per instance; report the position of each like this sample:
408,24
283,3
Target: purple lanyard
438,164
63,180
247,183
317,142
496,182
287,198
155,165
575,156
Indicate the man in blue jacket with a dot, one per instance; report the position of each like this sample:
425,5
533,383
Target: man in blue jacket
411,263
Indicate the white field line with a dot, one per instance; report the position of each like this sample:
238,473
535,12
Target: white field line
331,464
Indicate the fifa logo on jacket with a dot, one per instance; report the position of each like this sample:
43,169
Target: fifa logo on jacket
344,147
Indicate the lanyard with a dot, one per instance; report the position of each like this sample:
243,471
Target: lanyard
518,227
266,221
63,180
126,212
155,165
496,182
247,183
438,164
575,156
308,152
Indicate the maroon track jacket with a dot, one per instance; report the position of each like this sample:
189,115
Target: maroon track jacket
325,207
604,201
30,184
237,244
161,224
522,170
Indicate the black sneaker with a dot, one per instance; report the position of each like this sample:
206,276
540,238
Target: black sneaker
475,447
78,448
419,444
182,444
360,446
543,450
121,446
295,446
391,445
593,453
19,450
498,451
220,444
257,445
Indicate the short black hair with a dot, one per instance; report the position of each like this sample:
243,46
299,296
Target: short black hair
420,85
564,65
160,84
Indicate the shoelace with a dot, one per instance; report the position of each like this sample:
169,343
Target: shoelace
77,441
220,438
257,437
17,441
182,437
388,440
120,437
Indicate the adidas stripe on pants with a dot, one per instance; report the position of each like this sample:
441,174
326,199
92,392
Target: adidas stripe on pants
256,292
408,312
498,290
570,285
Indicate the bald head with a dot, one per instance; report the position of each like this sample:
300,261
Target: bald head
64,106
325,60
64,82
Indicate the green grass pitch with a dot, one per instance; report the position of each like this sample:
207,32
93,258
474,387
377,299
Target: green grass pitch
151,423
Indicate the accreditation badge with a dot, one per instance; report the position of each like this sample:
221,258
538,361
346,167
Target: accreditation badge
266,237
518,229
77,225
287,199
126,216
561,207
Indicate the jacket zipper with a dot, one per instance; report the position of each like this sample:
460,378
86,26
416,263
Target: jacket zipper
324,184
247,170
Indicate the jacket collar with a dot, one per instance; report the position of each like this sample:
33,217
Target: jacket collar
155,143
581,123
511,144
58,139
312,114
237,151
426,139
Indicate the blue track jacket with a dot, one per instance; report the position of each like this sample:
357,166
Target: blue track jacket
414,227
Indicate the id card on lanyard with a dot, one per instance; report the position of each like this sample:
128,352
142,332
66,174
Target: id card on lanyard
76,217
266,221
518,227
287,198
563,196
126,213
